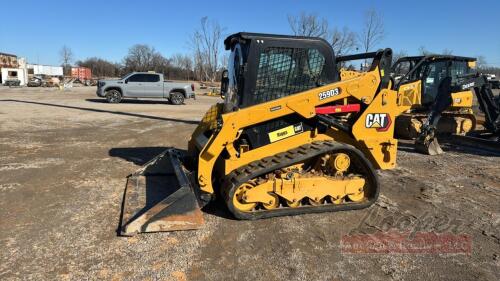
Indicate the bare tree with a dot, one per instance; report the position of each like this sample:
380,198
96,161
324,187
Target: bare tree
483,67
447,51
184,63
206,43
195,45
397,55
101,67
308,25
373,30
342,41
423,51
188,66
145,58
225,60
481,62
66,57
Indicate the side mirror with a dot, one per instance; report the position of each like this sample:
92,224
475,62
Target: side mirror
126,81
224,83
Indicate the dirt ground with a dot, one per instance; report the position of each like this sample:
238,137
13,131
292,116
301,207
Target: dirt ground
64,157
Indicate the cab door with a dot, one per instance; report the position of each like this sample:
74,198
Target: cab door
153,87
135,86
434,73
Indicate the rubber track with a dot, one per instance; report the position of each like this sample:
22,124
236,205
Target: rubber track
290,157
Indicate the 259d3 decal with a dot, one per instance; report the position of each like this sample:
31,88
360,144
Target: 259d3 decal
329,94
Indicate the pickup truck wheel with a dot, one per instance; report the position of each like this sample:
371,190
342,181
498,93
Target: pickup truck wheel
176,98
113,96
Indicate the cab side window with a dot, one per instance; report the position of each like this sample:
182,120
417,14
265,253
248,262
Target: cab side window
285,71
435,73
458,69
152,78
136,78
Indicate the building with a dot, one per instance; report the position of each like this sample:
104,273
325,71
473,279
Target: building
8,60
8,67
13,68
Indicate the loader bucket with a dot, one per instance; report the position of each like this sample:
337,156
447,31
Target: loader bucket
430,147
160,197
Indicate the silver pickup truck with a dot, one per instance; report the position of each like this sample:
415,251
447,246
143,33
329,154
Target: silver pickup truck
144,85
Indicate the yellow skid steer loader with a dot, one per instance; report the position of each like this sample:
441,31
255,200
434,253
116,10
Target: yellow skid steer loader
293,136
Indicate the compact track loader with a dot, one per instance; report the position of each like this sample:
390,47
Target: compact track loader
292,136
423,75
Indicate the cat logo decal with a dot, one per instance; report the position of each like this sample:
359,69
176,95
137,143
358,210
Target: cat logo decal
379,121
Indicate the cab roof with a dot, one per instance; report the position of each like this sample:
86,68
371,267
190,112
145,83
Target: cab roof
251,36
437,57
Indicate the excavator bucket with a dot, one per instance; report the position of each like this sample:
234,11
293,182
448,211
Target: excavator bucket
430,147
160,197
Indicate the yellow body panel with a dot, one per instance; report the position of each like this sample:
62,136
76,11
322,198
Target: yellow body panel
410,94
377,143
462,99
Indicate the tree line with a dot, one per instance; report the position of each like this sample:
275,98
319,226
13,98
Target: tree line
204,62
206,57
143,57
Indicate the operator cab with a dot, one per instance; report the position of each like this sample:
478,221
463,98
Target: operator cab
285,65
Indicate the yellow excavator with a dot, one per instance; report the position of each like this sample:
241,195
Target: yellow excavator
292,136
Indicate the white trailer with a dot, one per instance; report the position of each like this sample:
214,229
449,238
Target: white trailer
49,70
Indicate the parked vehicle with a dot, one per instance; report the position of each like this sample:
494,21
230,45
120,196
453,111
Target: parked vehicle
144,85
12,82
35,82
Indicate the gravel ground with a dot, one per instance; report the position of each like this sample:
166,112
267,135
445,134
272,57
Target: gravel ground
64,157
